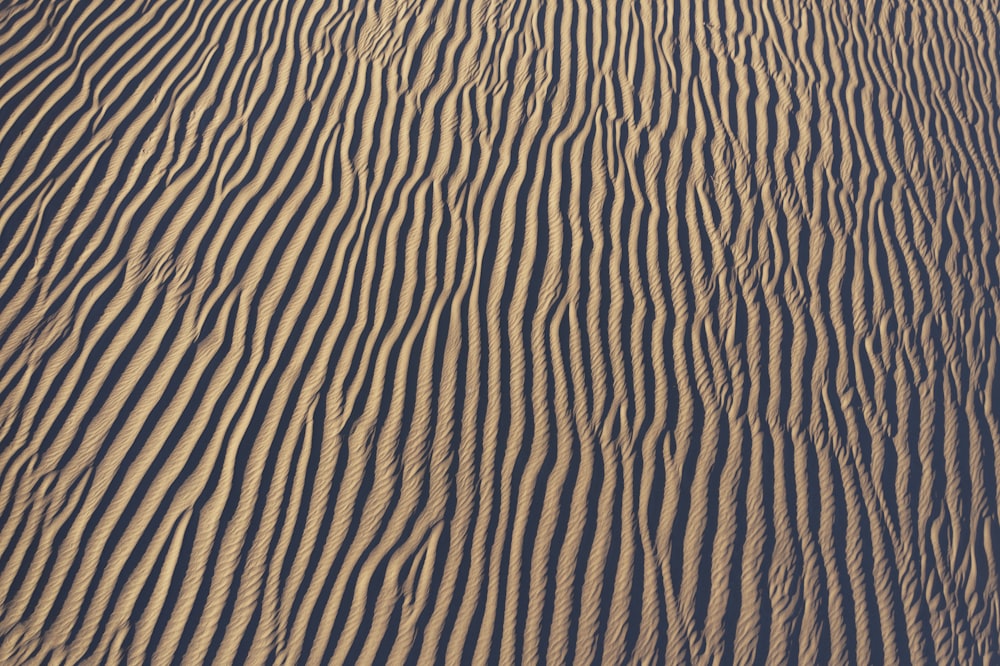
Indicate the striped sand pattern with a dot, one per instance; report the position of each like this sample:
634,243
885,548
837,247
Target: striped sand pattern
498,332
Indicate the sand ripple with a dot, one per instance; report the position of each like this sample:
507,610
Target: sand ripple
452,332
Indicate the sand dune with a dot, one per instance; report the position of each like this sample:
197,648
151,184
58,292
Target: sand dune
488,332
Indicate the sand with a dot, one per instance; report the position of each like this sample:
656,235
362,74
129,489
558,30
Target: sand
499,332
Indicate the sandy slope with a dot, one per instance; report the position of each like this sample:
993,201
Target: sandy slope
477,331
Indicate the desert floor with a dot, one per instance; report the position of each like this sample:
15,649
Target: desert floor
490,331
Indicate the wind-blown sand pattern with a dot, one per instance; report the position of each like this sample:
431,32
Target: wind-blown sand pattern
453,332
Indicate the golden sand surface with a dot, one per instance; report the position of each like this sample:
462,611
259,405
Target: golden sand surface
399,331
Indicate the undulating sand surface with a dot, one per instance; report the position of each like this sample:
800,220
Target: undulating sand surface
496,331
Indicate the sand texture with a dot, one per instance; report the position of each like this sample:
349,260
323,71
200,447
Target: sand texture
482,331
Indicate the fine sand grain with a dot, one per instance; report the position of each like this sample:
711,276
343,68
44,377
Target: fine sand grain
443,331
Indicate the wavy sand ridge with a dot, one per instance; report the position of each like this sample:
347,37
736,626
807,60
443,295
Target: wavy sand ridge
455,332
